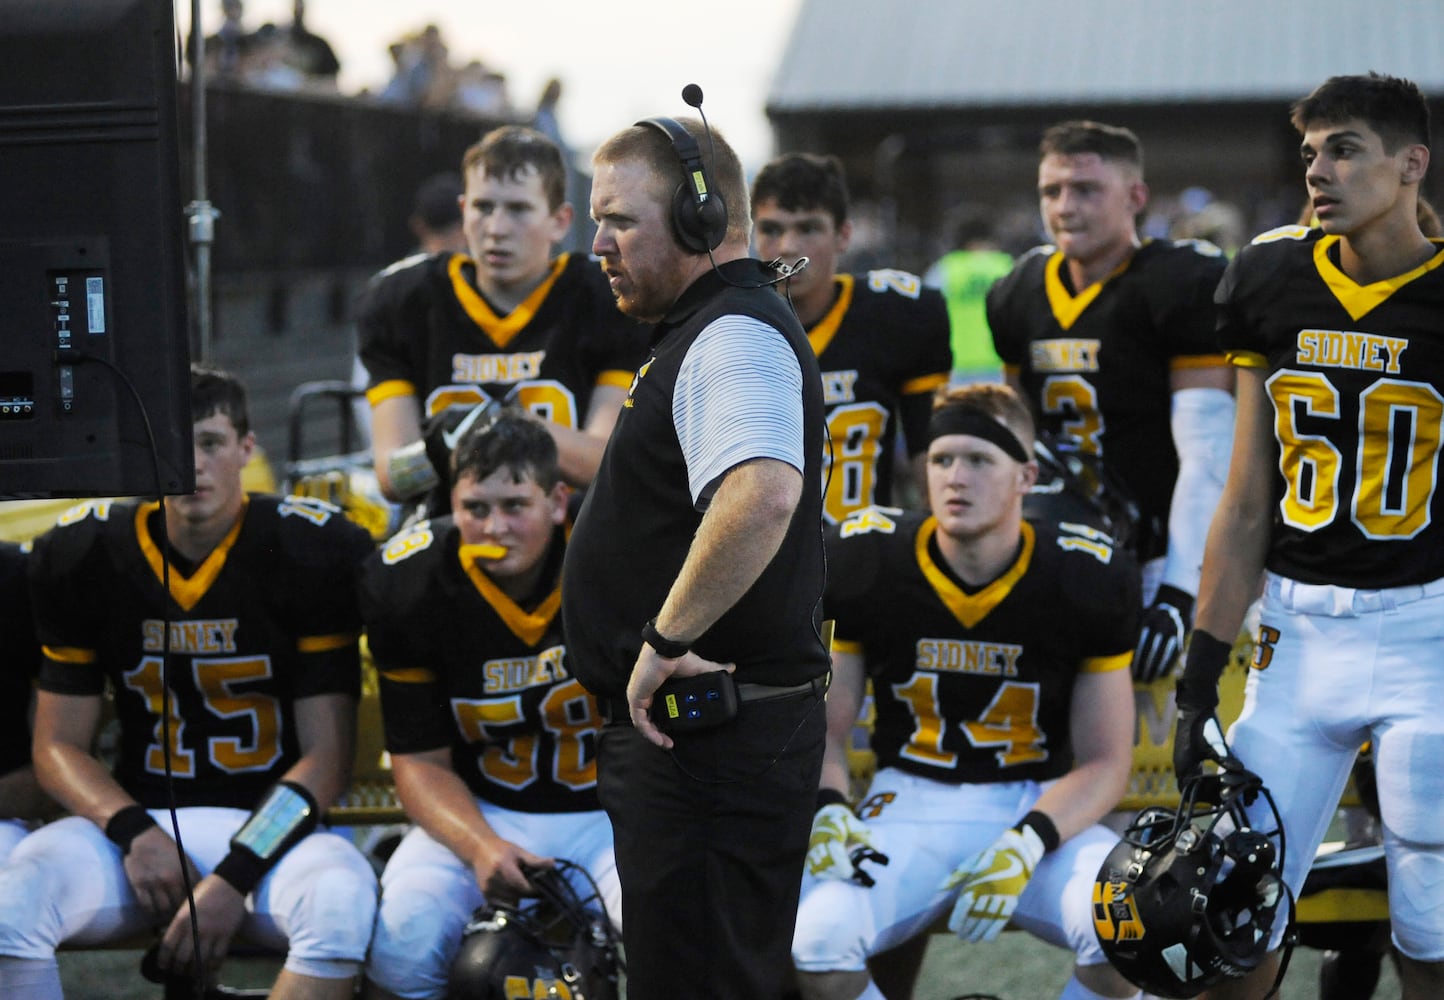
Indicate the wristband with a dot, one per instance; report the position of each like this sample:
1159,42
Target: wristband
1043,825
287,813
411,471
667,649
242,869
829,797
1203,664
127,823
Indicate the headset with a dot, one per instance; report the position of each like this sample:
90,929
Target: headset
699,212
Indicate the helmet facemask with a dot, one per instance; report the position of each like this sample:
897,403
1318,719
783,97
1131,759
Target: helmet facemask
1189,898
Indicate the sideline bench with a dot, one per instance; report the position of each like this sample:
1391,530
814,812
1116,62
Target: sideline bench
372,795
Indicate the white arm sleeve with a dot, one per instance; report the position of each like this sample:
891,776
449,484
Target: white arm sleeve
738,397
1202,425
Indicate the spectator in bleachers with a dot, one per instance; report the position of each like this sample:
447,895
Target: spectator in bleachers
307,51
482,90
423,76
227,50
266,66
545,119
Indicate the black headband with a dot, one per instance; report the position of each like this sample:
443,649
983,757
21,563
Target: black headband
975,423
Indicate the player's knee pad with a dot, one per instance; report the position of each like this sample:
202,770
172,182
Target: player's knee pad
834,928
1416,904
44,869
332,919
24,895
416,937
1411,786
12,831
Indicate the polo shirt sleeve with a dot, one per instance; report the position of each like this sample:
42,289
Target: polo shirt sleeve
738,398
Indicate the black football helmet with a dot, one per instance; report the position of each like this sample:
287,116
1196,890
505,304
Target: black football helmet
1189,897
1074,486
557,944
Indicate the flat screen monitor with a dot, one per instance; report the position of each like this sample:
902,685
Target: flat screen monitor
94,351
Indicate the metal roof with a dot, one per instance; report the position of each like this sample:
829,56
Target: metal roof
917,54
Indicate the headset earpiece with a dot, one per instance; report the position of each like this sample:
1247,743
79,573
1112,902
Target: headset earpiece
699,213
700,224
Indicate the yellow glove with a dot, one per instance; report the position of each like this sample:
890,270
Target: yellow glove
991,884
838,835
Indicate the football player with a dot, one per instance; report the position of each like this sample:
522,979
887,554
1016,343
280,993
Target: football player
507,322
227,627
492,742
435,221
1110,339
21,799
1333,496
995,647
881,338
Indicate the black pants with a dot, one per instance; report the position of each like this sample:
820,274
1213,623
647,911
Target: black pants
710,849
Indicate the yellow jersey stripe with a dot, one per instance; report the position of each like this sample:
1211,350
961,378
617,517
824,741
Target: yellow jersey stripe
1247,359
1107,664
326,643
409,675
69,654
390,389
616,377
924,383
1187,361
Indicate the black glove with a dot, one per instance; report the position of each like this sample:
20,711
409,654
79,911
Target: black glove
1198,736
1160,640
444,431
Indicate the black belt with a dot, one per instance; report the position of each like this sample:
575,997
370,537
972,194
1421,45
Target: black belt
747,691
616,710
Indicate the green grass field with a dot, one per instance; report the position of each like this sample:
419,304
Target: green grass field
1015,967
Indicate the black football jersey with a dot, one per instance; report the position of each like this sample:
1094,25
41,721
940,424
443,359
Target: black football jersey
883,349
976,687
425,330
1095,363
21,661
1356,377
269,617
463,666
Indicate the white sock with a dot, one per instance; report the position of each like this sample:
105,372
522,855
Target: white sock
30,979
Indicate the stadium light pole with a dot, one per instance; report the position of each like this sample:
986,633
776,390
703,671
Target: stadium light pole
200,212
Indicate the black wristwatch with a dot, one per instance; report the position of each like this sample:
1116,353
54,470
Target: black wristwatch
667,649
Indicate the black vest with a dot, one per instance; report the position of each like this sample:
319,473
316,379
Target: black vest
638,520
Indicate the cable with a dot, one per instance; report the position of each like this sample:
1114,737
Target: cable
80,357
692,94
